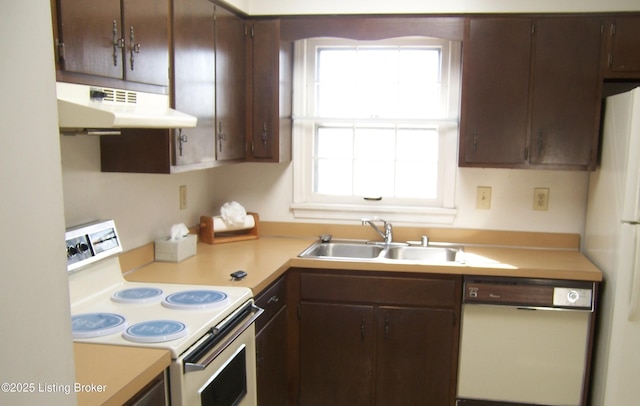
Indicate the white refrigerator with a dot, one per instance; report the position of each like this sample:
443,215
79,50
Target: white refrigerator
612,242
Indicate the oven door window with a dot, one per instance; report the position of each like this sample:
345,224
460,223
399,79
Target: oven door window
229,384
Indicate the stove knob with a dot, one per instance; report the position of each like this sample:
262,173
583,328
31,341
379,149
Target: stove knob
82,247
71,251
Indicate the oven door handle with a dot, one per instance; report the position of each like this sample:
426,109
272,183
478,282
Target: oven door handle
228,339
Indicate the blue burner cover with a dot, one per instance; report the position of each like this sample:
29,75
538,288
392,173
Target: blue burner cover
137,295
195,299
88,325
155,331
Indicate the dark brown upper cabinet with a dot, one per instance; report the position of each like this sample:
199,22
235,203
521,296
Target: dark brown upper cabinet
193,84
269,78
208,59
230,86
124,40
565,93
622,59
495,89
531,93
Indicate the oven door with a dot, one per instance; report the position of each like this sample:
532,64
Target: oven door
220,369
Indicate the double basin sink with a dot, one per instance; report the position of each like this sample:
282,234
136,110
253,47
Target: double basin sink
369,251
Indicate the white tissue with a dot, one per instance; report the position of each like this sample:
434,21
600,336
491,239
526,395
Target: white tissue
233,214
178,231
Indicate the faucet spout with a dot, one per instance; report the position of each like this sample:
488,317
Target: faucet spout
387,234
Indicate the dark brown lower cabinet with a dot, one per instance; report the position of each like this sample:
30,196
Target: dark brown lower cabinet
376,339
271,361
272,345
336,346
413,356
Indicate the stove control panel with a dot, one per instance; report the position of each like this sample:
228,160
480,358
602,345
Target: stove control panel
88,243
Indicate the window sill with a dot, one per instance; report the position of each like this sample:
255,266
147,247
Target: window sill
413,215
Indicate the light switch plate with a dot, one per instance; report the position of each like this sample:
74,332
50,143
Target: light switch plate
483,197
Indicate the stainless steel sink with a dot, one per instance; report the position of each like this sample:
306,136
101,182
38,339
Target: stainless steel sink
382,252
422,254
342,250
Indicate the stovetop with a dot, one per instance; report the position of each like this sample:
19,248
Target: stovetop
162,315
107,309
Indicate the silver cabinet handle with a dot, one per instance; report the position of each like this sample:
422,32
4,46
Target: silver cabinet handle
134,47
273,299
221,136
118,43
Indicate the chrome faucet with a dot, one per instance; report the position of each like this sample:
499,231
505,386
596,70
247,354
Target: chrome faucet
387,235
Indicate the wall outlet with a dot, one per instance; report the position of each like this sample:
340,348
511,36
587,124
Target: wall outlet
541,199
183,197
483,197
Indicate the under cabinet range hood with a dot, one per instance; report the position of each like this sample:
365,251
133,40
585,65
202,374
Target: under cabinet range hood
96,109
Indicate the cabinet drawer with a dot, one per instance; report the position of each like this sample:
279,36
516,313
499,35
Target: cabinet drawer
271,300
436,292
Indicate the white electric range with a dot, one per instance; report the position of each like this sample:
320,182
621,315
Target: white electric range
209,330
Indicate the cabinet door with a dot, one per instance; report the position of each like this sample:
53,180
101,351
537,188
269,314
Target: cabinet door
266,44
271,361
145,29
336,347
624,47
194,79
565,92
91,34
265,89
414,356
230,85
495,92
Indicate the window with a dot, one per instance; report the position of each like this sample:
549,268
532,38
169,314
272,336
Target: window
375,128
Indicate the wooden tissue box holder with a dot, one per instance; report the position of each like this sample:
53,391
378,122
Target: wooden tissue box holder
208,233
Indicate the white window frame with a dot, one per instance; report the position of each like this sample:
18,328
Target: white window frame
307,205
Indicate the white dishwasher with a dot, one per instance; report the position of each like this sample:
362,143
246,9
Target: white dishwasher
525,342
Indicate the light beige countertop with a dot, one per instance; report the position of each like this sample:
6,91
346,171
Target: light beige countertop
265,259
112,374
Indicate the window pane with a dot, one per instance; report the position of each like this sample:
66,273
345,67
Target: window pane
416,180
420,65
333,177
336,100
336,65
373,178
334,143
378,65
376,101
374,143
419,101
417,144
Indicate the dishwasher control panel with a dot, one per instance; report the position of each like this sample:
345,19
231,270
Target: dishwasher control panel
572,297
529,293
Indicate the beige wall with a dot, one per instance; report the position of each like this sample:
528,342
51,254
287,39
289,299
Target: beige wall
267,189
35,336
144,206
